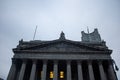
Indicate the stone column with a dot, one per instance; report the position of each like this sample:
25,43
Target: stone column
17,76
80,75
111,72
12,72
69,76
22,71
55,73
32,75
102,73
43,77
90,71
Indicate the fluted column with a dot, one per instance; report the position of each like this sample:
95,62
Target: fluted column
111,72
12,72
102,72
22,71
80,75
90,70
43,77
55,77
69,76
32,75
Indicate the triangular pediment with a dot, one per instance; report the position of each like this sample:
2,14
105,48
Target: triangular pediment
62,46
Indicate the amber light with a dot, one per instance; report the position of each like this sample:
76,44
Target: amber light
51,74
61,74
40,73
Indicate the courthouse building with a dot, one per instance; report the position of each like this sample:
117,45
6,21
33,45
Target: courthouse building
63,59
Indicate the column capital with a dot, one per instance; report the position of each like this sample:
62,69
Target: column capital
34,61
13,60
79,61
90,61
68,61
45,61
55,61
24,60
110,61
100,61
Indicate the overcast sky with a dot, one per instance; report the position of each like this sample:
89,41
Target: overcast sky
18,19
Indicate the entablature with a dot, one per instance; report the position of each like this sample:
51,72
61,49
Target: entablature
61,52
52,56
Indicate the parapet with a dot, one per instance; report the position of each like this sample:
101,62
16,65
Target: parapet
91,37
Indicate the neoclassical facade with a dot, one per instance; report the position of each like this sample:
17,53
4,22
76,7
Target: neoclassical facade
63,59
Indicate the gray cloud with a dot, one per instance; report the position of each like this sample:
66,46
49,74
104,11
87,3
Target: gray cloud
19,18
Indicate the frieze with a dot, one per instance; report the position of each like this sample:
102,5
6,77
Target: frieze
62,56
